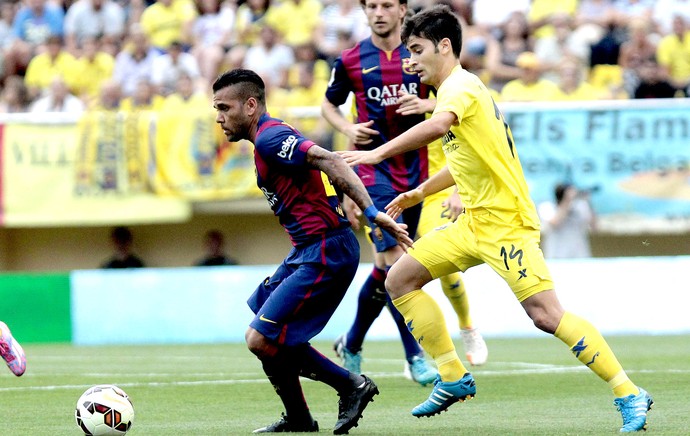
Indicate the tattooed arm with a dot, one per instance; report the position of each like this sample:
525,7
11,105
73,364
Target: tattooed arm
343,177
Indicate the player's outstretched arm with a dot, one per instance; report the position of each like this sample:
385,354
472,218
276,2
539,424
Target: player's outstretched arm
438,182
349,183
414,138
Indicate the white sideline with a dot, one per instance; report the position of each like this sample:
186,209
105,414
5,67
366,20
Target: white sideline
527,368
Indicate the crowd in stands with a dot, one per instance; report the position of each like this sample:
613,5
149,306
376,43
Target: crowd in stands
74,55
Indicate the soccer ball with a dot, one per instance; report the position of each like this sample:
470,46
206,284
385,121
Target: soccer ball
104,410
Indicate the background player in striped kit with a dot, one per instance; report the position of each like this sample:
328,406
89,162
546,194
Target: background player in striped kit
376,70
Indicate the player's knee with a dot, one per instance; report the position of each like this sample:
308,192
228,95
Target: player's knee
256,342
397,284
545,321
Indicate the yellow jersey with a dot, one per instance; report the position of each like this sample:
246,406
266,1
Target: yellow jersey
480,151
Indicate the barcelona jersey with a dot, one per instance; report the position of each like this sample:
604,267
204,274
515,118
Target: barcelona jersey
377,78
302,197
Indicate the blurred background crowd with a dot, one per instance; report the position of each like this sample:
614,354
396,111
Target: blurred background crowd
74,55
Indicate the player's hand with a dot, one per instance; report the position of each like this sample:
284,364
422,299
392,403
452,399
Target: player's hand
352,212
453,206
410,104
403,201
360,157
398,230
361,133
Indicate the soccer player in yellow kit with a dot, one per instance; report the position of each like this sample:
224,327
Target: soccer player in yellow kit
500,226
438,210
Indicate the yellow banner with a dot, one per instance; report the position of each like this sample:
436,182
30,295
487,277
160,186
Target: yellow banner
58,174
192,160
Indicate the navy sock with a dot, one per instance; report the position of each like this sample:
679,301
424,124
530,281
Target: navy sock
283,372
320,368
372,298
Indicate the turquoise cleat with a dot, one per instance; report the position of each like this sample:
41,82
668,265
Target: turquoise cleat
351,361
445,394
421,371
634,409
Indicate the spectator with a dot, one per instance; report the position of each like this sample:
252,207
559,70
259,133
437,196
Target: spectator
284,16
109,97
123,256
144,98
55,61
566,223
308,92
58,99
167,68
541,12
185,97
249,20
627,10
514,39
598,13
94,19
665,11
134,64
552,50
476,38
93,67
33,24
634,52
167,21
211,34
490,15
530,86
572,85
653,82
342,24
7,13
214,245
308,53
270,58
673,53
14,97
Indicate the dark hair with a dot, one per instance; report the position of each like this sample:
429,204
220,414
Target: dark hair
364,2
121,234
253,85
215,235
435,24
560,191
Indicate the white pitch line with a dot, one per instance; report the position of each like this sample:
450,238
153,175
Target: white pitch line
530,369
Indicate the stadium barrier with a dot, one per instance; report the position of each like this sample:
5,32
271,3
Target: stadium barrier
642,295
127,168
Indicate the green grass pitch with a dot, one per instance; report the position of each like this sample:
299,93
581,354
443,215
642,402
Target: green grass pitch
531,386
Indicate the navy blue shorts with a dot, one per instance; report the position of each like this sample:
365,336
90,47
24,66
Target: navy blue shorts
382,195
295,304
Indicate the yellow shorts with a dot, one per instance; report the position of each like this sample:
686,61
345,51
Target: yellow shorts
434,214
504,243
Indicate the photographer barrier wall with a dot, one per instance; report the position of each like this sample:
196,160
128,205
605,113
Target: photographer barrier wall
640,295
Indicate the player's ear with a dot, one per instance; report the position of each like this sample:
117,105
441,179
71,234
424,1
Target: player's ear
445,46
251,106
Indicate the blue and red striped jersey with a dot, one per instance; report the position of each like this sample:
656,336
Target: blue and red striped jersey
302,197
376,78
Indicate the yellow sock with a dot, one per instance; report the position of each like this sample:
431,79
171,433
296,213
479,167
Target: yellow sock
426,322
454,288
590,348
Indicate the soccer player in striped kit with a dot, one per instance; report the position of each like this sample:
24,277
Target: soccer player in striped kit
299,180
389,99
